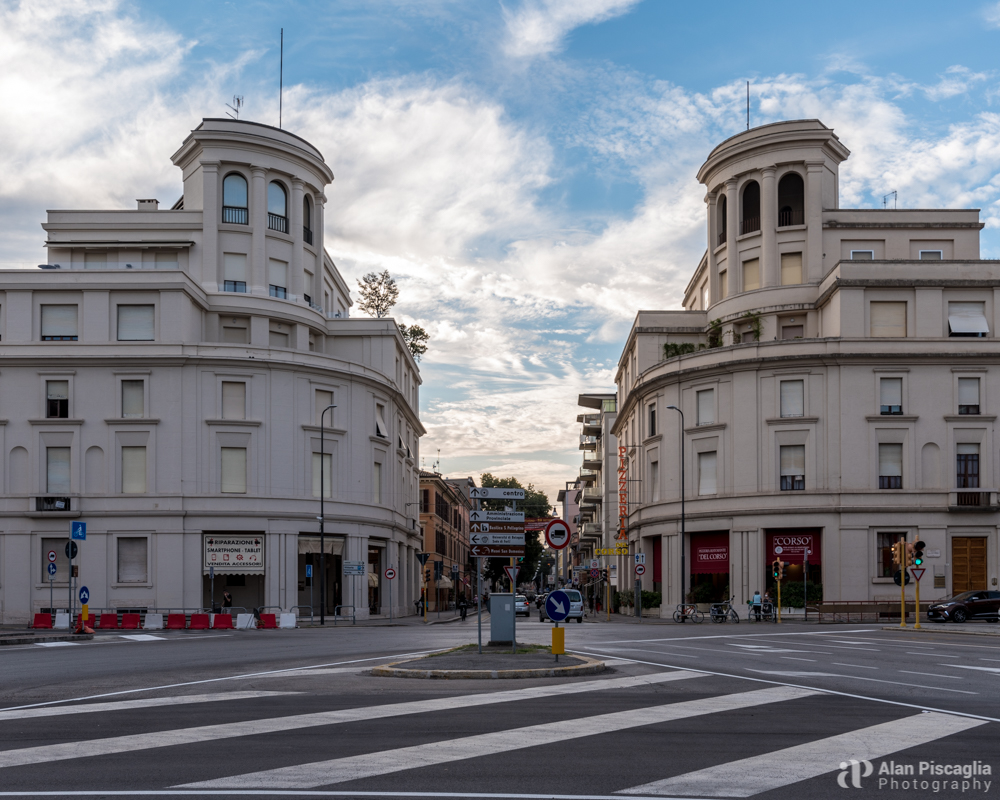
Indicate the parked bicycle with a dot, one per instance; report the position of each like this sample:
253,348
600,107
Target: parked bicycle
762,612
688,611
724,612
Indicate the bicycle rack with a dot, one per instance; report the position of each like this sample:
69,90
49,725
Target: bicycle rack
292,610
336,613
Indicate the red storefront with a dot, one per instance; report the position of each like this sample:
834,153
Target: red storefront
709,580
797,548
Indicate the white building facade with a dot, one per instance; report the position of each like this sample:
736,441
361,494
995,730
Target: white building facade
162,379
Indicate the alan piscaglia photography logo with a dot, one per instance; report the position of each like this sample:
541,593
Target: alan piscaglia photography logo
925,776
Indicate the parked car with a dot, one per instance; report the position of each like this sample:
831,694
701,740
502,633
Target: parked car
966,606
540,600
521,606
575,606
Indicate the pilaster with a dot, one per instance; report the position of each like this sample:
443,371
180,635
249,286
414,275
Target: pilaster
770,275
210,272
814,221
258,221
732,232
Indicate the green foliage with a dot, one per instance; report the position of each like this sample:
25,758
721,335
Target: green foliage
671,349
791,594
624,599
534,505
651,599
707,593
756,326
715,333
416,339
379,293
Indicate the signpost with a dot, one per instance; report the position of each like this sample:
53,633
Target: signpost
390,573
557,534
52,575
309,575
211,583
496,516
84,603
497,527
422,557
495,493
77,532
512,574
557,609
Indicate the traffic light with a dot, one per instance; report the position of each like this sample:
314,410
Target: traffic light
897,554
604,574
776,569
781,569
909,554
427,576
918,553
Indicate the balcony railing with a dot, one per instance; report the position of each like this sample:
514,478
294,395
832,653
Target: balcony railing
890,481
278,291
722,238
750,224
793,483
790,217
113,265
235,215
307,235
968,409
277,223
588,442
234,286
890,410
972,499
52,504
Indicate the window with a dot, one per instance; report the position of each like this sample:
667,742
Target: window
890,395
862,255
751,208
57,399
133,398
132,559
324,399
425,506
234,400
651,411
706,406
707,473
967,472
890,466
751,274
381,430
234,272
59,323
235,331
234,199
326,468
377,483
723,284
791,200
277,276
793,467
277,207
968,395
133,470
792,398
57,472
791,268
792,331
234,470
931,255
722,220
136,323
654,481
704,297
884,543
967,320
307,234
887,319
277,338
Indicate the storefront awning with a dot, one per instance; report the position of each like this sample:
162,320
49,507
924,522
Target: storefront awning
372,580
444,583
310,544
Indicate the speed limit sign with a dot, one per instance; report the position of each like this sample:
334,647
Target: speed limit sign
390,573
640,569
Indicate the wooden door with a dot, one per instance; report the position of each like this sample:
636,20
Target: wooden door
968,563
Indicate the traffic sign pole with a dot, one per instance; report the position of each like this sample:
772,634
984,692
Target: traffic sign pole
917,590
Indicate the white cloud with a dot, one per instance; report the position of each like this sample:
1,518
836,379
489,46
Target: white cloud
538,27
992,15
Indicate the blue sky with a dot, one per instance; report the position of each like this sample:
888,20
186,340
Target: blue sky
525,169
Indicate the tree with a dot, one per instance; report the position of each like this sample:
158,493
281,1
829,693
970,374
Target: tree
378,293
416,339
534,505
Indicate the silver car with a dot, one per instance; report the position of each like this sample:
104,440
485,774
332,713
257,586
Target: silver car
575,606
521,606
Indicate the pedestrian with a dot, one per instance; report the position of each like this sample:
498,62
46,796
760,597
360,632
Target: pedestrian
757,600
590,602
227,599
463,608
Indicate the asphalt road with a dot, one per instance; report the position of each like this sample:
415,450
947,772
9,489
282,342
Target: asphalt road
685,711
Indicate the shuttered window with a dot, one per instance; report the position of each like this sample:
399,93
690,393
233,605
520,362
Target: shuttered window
133,470
723,284
381,429
792,398
890,460
890,395
133,398
57,473
277,273
324,399
968,395
791,268
136,323
57,399
133,559
235,267
751,274
792,460
706,407
234,470
707,473
968,466
234,400
654,481
888,319
377,483
967,319
327,476
59,323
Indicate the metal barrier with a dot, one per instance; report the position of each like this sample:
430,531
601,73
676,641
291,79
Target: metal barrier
865,610
336,613
312,620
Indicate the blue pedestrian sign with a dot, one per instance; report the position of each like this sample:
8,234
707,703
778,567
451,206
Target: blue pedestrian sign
557,605
84,595
78,531
52,570
309,570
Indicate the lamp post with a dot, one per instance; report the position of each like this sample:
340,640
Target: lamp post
322,514
683,565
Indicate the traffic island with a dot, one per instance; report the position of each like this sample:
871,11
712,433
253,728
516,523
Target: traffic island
530,661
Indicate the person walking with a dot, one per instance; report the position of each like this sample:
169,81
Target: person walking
756,602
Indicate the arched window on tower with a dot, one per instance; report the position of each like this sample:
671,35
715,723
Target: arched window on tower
791,200
307,233
277,207
750,220
234,199
722,220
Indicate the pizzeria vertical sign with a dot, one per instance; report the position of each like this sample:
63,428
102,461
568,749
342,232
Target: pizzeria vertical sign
234,554
622,492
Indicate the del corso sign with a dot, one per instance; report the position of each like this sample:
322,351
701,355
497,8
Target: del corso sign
234,555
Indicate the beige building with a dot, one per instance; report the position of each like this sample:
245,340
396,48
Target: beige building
839,378
163,377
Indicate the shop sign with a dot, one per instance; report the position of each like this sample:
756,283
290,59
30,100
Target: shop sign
710,553
622,492
234,555
792,547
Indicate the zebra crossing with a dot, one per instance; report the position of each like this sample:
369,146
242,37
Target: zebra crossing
345,757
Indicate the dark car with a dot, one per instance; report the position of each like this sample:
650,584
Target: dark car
965,606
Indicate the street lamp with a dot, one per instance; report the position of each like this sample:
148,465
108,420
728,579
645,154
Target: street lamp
322,515
675,408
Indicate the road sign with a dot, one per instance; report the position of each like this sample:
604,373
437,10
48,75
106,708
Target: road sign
495,493
52,570
514,539
84,594
496,527
512,574
640,569
495,550
78,531
640,558
898,577
71,550
52,556
557,534
557,605
595,573
354,567
309,570
496,516
918,572
390,573
595,563
211,571
423,558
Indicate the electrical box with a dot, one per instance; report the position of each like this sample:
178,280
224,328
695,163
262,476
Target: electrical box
501,618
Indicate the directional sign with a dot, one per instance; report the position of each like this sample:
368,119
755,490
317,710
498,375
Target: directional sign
512,574
640,569
71,550
52,570
84,594
495,493
918,572
557,605
495,550
354,567
516,539
52,556
390,573
640,558
496,527
309,570
557,534
496,516
78,531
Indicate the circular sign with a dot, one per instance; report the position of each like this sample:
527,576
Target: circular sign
640,569
557,534
557,605
84,595
52,569
52,556
71,550
595,573
390,573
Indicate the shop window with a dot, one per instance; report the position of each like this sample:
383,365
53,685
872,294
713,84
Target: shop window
57,399
890,466
234,470
792,398
793,467
59,323
968,395
133,559
890,396
133,470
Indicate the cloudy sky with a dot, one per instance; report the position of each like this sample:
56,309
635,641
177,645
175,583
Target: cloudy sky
526,169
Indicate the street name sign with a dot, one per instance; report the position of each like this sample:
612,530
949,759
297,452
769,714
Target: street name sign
495,550
557,534
496,516
557,605
495,493
513,539
354,567
496,527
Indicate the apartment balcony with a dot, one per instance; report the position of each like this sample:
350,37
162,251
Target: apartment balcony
593,494
592,463
973,499
588,476
588,443
591,529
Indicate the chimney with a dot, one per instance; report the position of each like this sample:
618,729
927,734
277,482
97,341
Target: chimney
148,205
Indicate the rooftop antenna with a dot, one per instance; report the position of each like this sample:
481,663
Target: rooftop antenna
437,464
748,105
281,75
236,106
885,200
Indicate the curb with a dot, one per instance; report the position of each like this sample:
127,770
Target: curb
73,637
591,666
943,628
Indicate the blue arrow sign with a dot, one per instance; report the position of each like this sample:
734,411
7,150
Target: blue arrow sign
84,594
557,605
78,531
52,569
309,570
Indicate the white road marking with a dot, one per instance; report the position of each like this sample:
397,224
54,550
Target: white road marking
966,666
142,637
873,680
743,636
931,653
930,674
339,770
230,730
57,644
793,674
307,672
127,705
750,776
857,666
793,658
762,648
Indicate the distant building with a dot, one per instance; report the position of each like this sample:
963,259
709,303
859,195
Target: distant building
444,524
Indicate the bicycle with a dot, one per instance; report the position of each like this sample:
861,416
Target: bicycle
688,611
724,612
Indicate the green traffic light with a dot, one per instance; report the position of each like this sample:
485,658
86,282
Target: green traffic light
918,561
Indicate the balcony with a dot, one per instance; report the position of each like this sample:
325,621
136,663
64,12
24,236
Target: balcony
235,215
276,222
98,265
592,462
972,499
591,529
593,494
890,481
588,442
307,235
588,476
52,504
793,483
791,217
750,224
